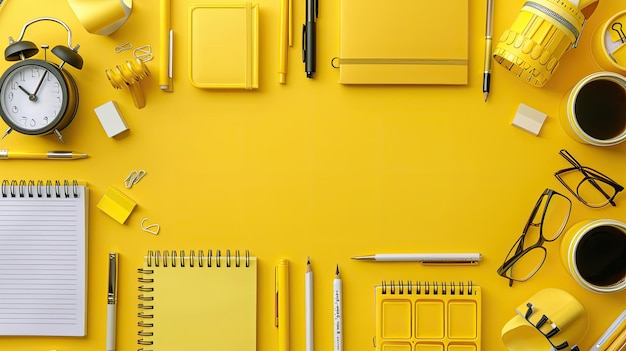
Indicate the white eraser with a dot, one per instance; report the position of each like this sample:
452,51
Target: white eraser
111,119
529,119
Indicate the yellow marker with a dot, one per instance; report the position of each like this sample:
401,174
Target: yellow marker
282,303
285,38
166,45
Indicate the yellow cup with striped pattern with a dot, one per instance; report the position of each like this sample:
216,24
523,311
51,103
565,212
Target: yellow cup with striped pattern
542,32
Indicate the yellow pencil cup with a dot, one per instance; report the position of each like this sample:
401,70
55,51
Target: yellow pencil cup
594,253
542,32
594,110
607,47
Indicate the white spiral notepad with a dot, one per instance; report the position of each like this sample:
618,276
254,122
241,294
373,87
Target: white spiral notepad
43,235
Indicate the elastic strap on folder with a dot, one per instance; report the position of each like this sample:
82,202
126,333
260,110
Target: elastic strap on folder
402,61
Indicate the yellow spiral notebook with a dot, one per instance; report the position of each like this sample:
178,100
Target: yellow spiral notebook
198,300
404,42
425,316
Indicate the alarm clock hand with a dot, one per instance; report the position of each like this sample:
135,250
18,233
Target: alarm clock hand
24,90
33,96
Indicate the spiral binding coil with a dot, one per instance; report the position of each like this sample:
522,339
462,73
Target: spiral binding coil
23,188
164,259
427,288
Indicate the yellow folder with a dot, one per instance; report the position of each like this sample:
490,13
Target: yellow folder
404,42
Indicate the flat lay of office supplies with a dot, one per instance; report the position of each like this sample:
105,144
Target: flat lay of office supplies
388,149
219,305
43,231
422,314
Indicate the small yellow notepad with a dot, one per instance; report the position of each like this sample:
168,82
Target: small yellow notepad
223,45
404,42
198,300
427,316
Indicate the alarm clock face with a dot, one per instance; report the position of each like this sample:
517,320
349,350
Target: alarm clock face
33,97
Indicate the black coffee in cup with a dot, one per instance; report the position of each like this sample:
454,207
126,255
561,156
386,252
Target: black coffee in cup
601,256
600,109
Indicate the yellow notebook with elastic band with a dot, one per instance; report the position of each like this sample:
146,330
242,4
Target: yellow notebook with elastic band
224,45
404,42
198,300
428,316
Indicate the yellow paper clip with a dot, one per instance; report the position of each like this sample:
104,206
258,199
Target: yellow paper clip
143,53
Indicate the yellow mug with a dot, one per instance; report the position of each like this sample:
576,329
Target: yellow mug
594,253
594,110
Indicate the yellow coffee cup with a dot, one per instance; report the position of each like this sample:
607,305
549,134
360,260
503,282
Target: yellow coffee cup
594,110
594,253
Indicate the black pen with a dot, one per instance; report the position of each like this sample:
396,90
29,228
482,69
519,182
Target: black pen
309,38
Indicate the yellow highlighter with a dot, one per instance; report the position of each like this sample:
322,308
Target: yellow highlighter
282,303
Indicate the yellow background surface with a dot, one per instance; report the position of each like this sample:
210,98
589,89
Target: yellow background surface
314,168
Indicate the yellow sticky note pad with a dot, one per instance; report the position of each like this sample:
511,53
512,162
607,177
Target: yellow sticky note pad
116,204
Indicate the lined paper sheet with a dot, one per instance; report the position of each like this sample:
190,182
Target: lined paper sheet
42,259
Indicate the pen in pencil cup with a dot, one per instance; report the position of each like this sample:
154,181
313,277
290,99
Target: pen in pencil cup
337,312
308,288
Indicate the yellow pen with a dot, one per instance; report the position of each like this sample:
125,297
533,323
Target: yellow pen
282,303
166,45
49,155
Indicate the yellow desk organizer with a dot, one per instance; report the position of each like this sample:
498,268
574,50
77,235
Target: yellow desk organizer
223,46
542,32
428,316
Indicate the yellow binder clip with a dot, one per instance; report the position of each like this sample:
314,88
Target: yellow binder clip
130,74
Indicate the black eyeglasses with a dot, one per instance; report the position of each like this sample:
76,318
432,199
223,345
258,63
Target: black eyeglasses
593,188
550,334
545,224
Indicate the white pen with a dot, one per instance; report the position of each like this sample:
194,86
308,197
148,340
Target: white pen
111,302
425,258
308,291
337,322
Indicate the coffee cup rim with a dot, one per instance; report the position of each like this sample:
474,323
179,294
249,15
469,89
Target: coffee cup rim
615,287
573,96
